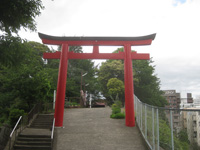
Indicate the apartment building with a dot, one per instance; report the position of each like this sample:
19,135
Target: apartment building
191,122
173,100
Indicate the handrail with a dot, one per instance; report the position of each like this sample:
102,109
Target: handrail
52,133
33,111
16,125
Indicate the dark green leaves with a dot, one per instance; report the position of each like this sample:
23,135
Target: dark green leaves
15,14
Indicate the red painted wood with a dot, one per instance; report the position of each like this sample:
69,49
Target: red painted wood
96,49
55,55
129,91
96,55
61,86
140,56
100,43
127,55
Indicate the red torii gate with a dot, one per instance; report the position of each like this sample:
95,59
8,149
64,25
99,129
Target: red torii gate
127,55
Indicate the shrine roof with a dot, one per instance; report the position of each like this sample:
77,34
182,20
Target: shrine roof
89,38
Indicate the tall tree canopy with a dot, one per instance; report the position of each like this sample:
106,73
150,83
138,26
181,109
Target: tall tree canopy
15,14
27,83
146,84
75,68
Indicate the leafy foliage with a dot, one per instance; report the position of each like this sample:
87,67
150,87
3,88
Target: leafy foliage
75,67
15,14
14,116
25,83
115,87
116,111
147,88
166,142
108,70
182,135
146,84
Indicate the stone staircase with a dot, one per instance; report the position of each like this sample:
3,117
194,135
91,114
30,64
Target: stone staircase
37,136
42,122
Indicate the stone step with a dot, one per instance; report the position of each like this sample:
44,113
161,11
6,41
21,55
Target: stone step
37,136
31,147
41,126
42,122
34,136
45,116
40,142
47,121
33,139
39,123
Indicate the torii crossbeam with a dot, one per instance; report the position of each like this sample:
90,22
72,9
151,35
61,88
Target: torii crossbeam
127,56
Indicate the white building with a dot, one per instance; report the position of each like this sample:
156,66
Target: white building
191,122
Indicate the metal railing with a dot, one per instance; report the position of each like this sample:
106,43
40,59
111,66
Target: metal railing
52,133
168,129
35,110
16,130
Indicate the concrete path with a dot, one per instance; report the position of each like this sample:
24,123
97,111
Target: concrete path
93,129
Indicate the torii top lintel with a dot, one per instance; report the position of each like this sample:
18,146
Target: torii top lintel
101,41
95,42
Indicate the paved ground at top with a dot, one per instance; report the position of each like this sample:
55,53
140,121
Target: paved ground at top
93,129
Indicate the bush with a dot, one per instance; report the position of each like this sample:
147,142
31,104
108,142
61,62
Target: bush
118,116
14,116
116,111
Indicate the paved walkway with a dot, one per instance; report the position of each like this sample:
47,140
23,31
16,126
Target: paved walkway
93,129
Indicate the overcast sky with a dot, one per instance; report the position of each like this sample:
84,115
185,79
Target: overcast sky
175,50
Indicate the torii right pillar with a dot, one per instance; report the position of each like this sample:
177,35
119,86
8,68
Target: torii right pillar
128,78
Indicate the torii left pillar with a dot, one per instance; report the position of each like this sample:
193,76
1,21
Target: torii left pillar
61,86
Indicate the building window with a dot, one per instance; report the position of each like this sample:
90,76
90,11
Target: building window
195,135
175,123
175,117
194,123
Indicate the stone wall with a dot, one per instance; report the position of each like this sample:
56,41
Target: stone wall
4,136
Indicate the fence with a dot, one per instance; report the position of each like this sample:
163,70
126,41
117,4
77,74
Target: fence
168,129
20,125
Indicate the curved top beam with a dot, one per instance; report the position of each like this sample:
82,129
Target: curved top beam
89,38
57,40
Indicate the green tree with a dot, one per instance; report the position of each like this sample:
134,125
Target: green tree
15,14
25,84
165,138
146,84
147,88
116,87
110,69
183,136
75,67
